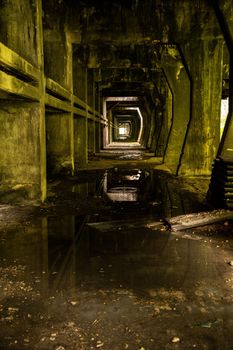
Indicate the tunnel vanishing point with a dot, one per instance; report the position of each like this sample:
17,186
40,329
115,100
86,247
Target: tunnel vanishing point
79,77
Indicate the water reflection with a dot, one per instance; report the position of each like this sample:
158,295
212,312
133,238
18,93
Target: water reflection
126,185
111,268
66,253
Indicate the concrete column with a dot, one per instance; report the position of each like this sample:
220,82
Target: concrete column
97,124
91,103
58,136
22,134
70,83
224,14
80,122
204,59
166,120
151,129
91,137
106,127
41,109
180,85
59,127
80,146
57,56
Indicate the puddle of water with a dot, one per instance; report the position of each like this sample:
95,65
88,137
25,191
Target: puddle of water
116,262
63,253
124,185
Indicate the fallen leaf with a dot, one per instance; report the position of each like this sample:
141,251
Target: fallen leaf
175,340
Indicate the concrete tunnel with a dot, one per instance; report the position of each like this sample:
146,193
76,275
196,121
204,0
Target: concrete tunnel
125,104
72,73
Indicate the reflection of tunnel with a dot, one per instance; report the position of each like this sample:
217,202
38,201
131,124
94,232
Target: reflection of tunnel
94,76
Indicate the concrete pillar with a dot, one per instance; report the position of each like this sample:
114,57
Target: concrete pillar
59,127
166,122
105,127
204,59
220,189
224,14
151,129
20,163
80,122
80,146
22,134
97,137
98,134
59,158
179,83
41,111
57,50
91,104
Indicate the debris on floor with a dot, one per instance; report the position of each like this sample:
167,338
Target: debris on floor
184,222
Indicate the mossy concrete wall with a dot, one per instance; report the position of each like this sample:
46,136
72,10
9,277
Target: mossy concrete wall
20,166
58,146
79,78
98,136
225,9
19,28
204,59
91,103
56,55
180,85
80,123
166,115
91,137
80,142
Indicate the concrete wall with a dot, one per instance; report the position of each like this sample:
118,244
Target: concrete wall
80,142
56,60
80,78
58,145
18,28
227,10
19,152
167,115
224,13
180,85
204,59
91,137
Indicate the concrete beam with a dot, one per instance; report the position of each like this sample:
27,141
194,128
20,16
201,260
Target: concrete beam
57,89
79,103
79,112
12,61
57,104
13,85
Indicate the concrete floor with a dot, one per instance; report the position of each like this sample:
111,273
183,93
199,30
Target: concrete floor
82,272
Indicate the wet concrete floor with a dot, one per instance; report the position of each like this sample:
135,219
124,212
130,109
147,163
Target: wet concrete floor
95,268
